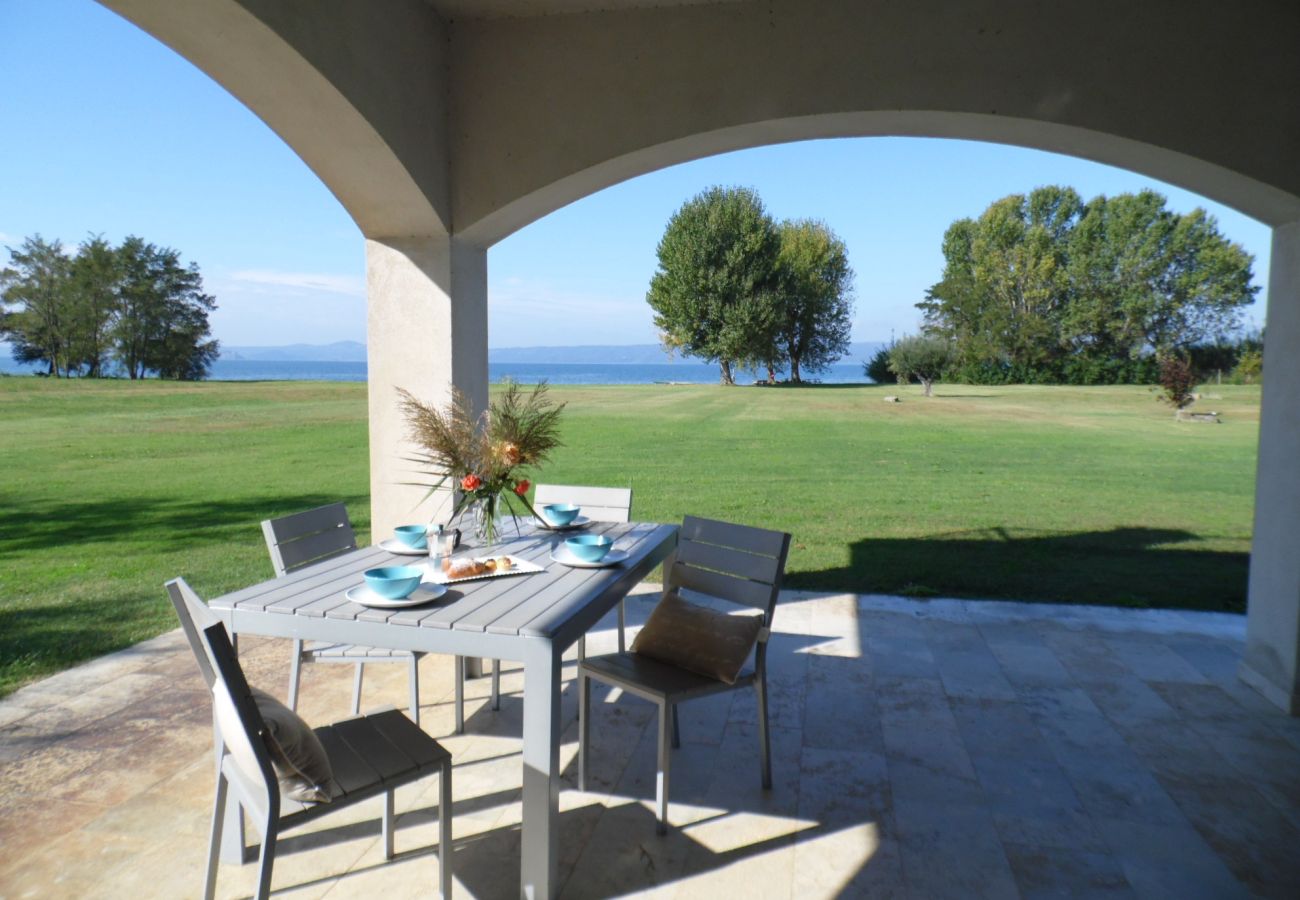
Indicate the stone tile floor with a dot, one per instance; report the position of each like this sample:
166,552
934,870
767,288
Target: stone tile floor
922,749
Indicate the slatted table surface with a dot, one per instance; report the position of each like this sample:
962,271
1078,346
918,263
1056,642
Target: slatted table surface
529,617
539,604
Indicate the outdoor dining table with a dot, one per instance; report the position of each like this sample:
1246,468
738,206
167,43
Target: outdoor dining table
530,618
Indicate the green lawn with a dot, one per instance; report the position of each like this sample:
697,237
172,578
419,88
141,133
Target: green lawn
1082,495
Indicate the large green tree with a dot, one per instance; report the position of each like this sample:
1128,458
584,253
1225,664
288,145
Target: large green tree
814,303
1041,285
713,291
94,282
162,321
36,297
133,308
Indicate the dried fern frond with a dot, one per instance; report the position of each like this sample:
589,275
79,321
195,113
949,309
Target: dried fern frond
517,430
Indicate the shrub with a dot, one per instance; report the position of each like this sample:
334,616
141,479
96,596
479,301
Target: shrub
1250,366
878,369
1177,378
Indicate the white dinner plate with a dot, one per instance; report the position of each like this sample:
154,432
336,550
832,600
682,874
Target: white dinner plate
393,545
578,522
562,555
425,593
520,567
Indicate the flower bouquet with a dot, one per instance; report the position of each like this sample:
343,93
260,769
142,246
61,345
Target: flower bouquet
482,456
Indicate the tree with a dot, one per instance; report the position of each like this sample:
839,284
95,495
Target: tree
923,357
1042,287
40,321
712,290
815,309
162,323
95,282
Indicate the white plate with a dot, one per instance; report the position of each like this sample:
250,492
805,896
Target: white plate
520,567
578,522
425,593
393,545
562,555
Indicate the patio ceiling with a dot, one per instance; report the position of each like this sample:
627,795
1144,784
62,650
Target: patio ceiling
499,9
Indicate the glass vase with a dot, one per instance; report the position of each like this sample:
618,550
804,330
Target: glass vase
484,514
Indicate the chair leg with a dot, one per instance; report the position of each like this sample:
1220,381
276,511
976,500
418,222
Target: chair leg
496,684
661,778
415,688
265,861
444,830
460,695
584,727
765,744
214,845
622,623
677,731
386,825
295,672
356,689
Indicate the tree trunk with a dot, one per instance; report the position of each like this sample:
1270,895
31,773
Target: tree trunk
929,386
726,372
795,377
771,374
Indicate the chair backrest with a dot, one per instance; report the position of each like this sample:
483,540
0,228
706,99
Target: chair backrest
736,563
304,538
600,504
195,616
241,730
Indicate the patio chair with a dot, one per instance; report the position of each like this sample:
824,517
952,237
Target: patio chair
736,564
369,755
306,538
600,504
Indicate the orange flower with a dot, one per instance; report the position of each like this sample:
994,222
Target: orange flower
471,482
522,487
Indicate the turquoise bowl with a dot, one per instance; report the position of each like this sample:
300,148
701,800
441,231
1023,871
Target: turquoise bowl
589,547
394,582
414,536
560,514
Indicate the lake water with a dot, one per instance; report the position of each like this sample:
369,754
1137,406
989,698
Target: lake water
525,373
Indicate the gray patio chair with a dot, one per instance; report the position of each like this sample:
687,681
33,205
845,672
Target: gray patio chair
370,755
310,537
600,504
740,565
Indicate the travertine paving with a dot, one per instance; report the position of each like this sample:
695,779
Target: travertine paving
922,749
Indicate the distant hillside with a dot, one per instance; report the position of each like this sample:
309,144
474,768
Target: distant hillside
342,351
630,354
591,354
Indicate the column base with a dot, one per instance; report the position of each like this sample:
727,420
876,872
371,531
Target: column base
1287,701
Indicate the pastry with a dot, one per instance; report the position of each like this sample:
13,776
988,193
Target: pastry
466,568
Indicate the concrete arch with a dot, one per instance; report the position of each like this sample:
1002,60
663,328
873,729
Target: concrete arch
1264,202
370,128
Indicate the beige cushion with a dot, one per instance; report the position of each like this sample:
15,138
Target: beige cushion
698,639
298,756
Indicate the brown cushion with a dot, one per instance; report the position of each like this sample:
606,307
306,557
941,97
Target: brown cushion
299,758
698,639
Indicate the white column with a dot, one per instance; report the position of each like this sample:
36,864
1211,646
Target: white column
1272,659
426,331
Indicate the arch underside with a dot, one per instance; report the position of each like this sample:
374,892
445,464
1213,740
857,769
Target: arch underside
1261,201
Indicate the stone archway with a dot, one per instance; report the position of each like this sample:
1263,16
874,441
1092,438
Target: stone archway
443,125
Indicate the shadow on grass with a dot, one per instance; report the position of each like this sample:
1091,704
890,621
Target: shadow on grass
1133,567
97,546
171,521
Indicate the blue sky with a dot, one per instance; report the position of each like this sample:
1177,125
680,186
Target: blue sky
108,131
